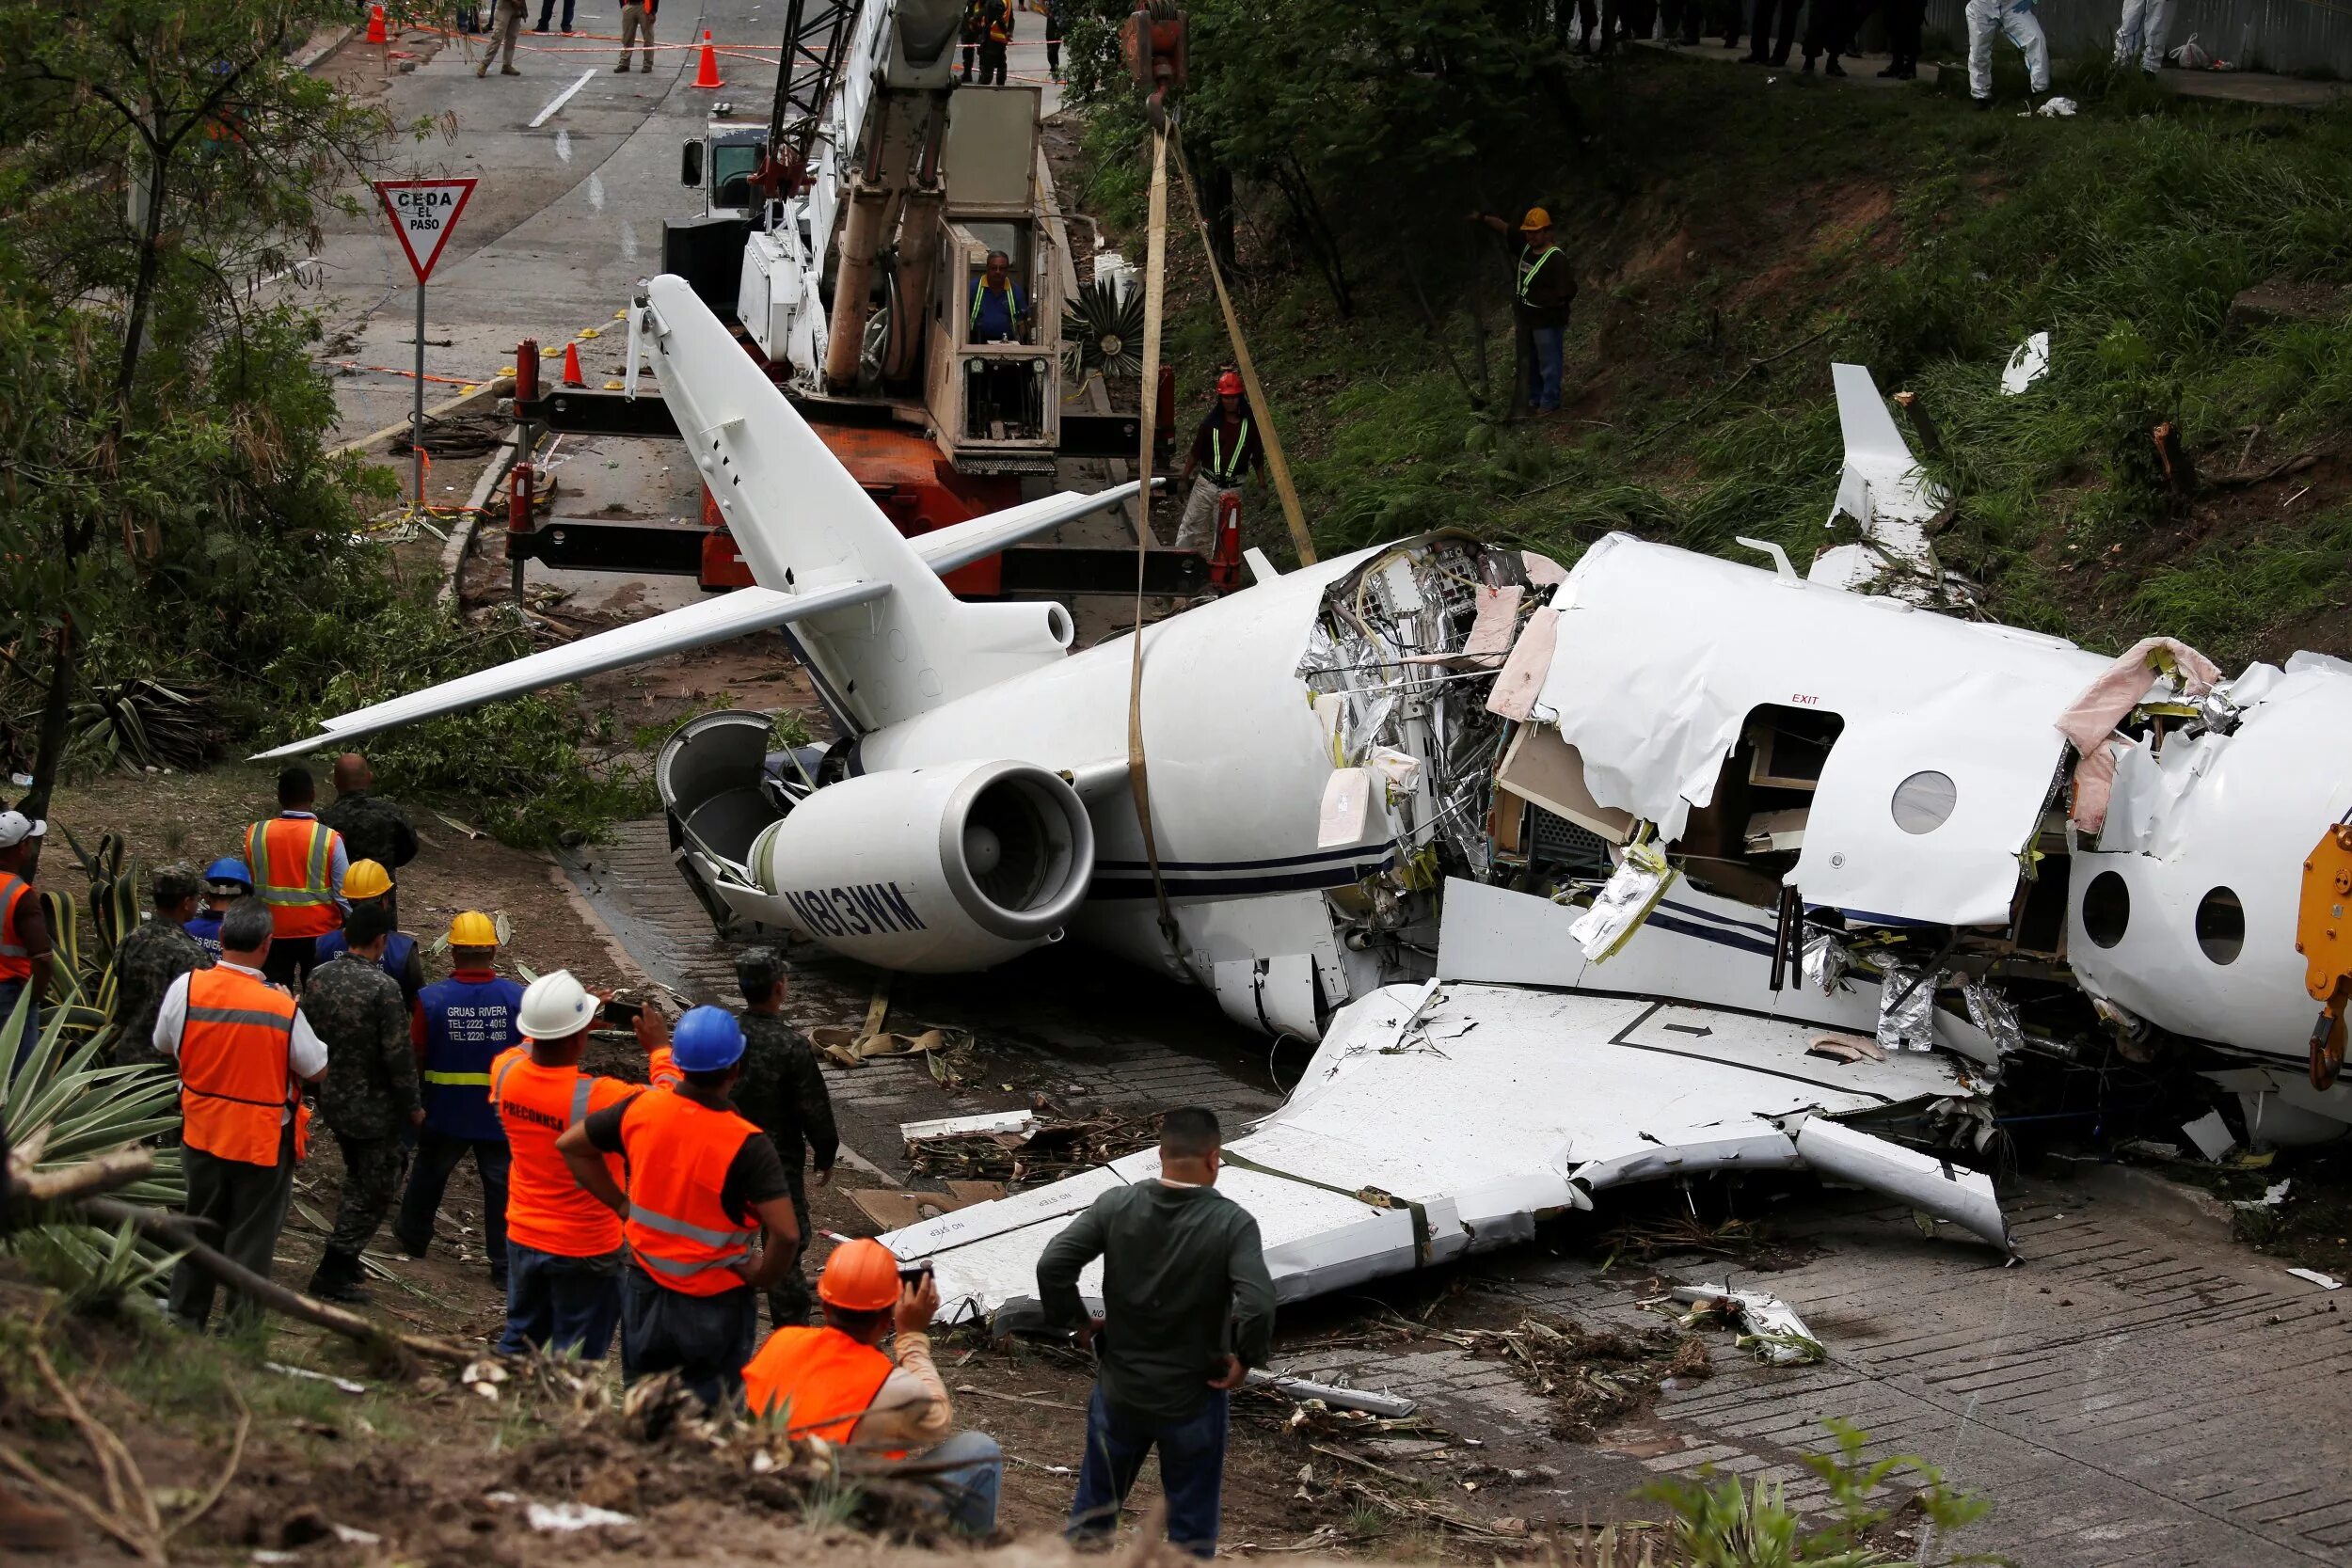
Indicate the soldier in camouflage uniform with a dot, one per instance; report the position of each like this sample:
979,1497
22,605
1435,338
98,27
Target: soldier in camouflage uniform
150,959
374,829
782,1093
369,1096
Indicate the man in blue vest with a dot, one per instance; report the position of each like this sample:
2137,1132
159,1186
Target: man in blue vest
368,882
226,881
460,1026
1000,308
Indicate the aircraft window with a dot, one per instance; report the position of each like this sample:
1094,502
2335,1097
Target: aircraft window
2221,926
1923,803
2106,908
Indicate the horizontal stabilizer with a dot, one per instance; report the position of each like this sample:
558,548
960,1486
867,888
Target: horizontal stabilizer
961,544
735,614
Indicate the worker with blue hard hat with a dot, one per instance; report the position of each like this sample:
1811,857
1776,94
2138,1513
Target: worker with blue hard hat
226,881
704,1185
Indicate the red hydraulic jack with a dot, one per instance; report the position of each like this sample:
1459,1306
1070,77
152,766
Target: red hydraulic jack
1225,555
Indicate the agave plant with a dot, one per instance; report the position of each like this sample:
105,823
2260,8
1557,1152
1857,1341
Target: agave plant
1106,329
64,1104
140,723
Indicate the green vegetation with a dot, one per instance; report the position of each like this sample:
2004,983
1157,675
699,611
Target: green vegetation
1733,235
1719,1522
189,563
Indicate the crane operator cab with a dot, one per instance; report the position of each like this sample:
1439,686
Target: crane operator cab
723,164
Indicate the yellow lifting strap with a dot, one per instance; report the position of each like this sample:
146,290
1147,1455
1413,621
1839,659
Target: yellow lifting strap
1278,467
1154,284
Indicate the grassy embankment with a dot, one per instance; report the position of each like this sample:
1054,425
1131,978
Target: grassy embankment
1734,235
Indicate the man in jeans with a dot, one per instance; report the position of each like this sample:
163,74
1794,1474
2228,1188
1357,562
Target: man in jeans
1542,289
1187,1309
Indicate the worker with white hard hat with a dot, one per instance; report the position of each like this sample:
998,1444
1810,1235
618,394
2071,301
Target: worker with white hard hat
23,928
460,1026
564,1248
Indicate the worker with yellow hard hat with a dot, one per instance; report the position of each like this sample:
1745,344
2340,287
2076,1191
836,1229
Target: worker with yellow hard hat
368,882
837,1383
461,1026
1542,288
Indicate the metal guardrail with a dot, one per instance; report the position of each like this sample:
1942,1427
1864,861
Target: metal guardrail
2285,36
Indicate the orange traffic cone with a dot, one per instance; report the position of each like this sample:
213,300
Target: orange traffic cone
708,75
571,366
376,26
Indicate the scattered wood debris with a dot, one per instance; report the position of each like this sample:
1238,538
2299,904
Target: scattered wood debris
1059,1145
1591,1376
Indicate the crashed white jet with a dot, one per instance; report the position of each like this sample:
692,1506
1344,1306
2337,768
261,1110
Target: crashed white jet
1661,866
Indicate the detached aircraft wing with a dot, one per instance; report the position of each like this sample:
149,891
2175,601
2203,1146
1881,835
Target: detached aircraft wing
1445,1118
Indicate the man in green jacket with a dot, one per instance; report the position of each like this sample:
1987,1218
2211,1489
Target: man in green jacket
1187,1310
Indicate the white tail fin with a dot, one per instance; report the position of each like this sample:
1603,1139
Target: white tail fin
804,524
1883,489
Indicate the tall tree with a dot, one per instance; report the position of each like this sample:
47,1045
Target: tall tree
159,163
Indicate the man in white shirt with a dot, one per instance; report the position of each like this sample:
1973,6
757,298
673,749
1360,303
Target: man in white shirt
243,1051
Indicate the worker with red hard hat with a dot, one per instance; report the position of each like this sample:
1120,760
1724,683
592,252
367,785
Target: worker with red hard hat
837,1383
706,1189
1225,449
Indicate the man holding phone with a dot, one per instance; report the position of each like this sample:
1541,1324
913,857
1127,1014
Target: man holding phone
1187,1310
837,1382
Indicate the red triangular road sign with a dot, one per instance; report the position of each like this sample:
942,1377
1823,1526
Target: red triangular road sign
423,212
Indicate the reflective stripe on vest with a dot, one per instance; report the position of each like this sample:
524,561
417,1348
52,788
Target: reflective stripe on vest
235,1080
468,1023
293,847
547,1209
1227,477
16,963
823,1379
679,1153
1529,269
980,291
662,1069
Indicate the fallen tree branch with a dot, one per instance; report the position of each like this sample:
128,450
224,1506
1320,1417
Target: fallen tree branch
103,1174
163,1228
145,1550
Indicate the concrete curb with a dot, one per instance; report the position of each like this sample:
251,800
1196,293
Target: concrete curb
320,46
461,538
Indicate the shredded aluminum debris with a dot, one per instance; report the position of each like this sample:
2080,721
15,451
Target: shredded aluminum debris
1632,891
1775,1335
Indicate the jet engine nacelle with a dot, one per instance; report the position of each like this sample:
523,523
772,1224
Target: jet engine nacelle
941,869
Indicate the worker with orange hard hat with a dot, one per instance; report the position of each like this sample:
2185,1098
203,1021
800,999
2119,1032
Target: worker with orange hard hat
1542,288
837,1383
1225,451
460,1026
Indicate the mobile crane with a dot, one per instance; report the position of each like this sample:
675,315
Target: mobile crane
841,240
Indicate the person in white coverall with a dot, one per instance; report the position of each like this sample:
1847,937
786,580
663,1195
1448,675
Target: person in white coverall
2016,19
2147,23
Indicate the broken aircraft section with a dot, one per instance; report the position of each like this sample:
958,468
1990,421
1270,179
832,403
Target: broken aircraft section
1714,868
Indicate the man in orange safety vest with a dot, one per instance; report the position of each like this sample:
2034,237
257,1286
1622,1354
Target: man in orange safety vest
298,864
243,1051
704,1186
836,1383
